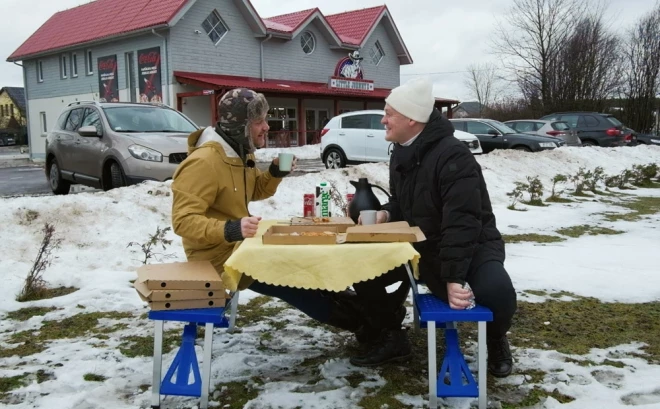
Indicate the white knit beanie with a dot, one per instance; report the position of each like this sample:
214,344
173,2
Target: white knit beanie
414,99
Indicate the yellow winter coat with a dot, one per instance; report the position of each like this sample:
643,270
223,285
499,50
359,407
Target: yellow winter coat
209,188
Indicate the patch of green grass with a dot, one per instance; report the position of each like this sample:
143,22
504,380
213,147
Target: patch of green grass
533,237
13,382
539,293
235,395
649,185
144,387
557,199
581,194
536,375
607,325
534,396
255,311
135,345
91,377
639,207
43,376
48,293
577,231
516,209
72,327
538,203
355,379
25,314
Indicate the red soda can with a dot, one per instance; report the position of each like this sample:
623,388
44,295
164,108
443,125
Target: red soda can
349,197
308,209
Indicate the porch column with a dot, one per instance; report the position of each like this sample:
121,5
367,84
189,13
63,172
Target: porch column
336,107
214,107
365,105
302,124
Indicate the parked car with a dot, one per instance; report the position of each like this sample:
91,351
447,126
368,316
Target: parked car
359,137
558,129
108,145
647,139
594,129
7,138
495,135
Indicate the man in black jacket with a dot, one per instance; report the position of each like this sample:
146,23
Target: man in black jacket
437,184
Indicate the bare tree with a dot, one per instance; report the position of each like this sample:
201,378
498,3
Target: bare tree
531,37
587,70
481,80
642,71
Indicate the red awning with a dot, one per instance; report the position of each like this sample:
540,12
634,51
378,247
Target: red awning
214,81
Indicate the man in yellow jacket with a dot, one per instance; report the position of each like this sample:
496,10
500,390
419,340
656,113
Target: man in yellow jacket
213,187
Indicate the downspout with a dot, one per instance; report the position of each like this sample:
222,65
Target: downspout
166,88
27,110
261,55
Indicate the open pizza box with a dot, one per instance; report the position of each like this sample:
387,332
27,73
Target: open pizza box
341,223
278,234
385,233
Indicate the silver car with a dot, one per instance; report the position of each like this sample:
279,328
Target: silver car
108,145
558,129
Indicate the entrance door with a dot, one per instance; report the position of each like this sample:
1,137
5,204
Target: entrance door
315,119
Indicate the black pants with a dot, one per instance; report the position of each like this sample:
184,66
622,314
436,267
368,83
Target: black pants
316,304
381,309
492,288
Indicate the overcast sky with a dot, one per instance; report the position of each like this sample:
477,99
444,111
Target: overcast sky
442,36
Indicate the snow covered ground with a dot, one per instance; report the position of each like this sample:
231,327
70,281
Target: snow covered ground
96,228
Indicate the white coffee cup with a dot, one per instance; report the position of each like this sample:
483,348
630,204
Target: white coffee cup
368,217
286,161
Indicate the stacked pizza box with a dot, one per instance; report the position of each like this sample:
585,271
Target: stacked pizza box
180,286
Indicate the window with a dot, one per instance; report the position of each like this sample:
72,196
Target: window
459,125
591,121
89,62
61,121
146,119
92,118
40,71
538,125
42,119
374,122
478,128
214,27
73,122
74,65
355,122
613,121
63,66
523,126
376,53
572,120
560,126
307,42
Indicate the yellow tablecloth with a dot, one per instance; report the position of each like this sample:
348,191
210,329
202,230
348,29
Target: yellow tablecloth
327,267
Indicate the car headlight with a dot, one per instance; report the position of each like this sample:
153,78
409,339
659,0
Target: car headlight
655,140
144,153
547,145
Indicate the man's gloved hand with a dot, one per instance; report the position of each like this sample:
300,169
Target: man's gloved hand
381,217
459,297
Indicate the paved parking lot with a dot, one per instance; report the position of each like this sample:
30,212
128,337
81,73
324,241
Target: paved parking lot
31,179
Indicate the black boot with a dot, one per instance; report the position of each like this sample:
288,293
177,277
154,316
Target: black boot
346,311
393,346
500,362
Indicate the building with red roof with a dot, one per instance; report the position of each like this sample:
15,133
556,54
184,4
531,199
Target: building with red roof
187,53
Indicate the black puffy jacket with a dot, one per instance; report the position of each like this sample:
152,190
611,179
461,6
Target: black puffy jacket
437,184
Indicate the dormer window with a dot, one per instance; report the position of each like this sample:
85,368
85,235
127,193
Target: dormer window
307,42
376,53
214,27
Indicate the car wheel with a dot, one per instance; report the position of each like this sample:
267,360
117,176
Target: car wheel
334,159
589,143
58,185
117,178
522,148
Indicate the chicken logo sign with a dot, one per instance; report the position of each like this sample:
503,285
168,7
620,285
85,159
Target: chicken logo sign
349,75
350,67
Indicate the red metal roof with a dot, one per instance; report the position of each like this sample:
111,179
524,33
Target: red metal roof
353,26
288,23
269,85
96,20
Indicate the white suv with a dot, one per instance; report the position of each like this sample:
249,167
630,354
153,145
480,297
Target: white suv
359,137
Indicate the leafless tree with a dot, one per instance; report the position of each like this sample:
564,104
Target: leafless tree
642,71
587,70
482,81
531,37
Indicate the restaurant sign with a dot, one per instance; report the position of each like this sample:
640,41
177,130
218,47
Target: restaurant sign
349,74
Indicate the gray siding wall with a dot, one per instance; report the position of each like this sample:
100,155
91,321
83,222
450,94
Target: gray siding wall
54,86
236,54
286,59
